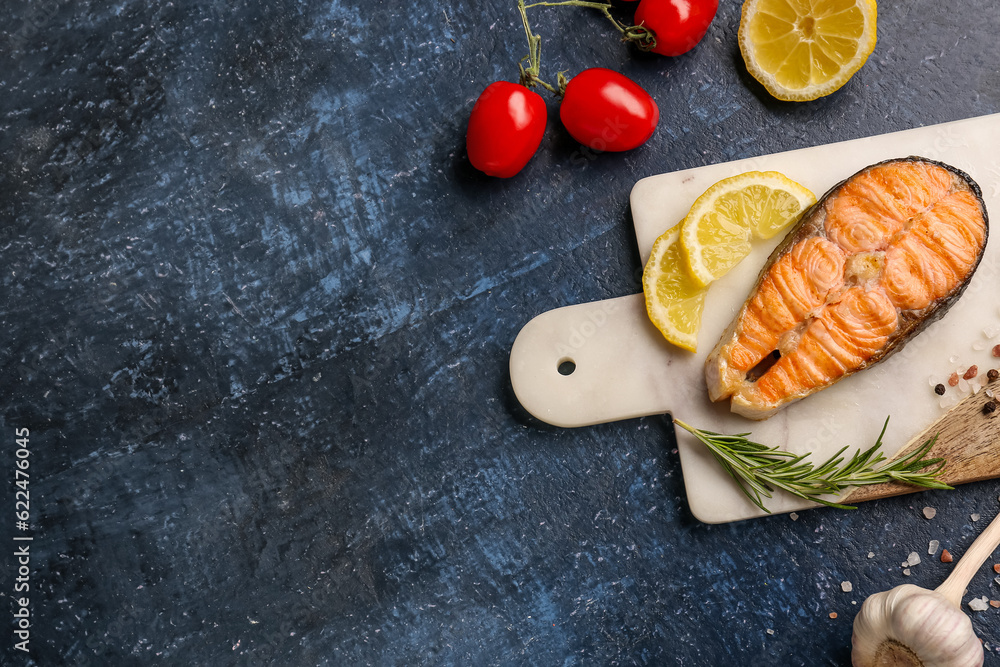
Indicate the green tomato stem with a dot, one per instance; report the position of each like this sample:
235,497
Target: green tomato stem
602,7
643,38
640,35
529,74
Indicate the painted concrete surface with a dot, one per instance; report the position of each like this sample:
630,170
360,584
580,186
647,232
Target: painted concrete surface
258,309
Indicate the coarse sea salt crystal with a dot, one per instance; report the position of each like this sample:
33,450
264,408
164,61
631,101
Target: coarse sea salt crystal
912,559
929,512
846,586
948,401
963,385
952,359
932,547
979,604
906,572
975,384
979,346
871,554
974,517
991,332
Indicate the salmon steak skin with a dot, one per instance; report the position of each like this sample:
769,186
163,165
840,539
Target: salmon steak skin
879,257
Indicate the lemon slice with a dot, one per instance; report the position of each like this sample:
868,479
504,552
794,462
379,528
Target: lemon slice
804,49
717,231
673,300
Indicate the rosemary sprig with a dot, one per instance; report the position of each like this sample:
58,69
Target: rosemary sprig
759,469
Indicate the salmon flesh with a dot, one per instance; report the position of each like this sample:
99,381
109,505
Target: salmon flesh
874,261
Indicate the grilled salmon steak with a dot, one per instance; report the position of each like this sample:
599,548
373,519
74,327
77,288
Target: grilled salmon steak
875,260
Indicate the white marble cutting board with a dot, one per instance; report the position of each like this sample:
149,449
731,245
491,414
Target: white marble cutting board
624,368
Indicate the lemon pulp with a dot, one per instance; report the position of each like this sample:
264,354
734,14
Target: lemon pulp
674,302
717,232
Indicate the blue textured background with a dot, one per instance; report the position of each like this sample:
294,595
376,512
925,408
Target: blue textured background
257,309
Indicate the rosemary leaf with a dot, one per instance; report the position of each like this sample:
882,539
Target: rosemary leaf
759,469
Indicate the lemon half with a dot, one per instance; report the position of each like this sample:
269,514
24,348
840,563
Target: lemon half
804,49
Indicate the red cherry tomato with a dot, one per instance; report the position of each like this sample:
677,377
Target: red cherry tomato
607,111
677,24
505,128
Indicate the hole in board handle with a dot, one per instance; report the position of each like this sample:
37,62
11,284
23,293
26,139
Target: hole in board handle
566,366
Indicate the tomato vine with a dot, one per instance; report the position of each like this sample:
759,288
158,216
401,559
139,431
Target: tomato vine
639,35
600,108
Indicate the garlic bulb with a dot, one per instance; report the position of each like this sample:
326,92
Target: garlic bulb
911,626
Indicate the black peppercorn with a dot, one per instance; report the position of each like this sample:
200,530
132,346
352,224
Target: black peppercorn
992,374
939,389
989,408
